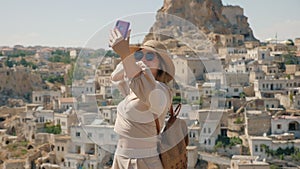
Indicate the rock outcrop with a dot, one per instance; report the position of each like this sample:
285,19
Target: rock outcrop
18,83
209,17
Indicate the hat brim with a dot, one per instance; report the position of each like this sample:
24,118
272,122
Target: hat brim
164,55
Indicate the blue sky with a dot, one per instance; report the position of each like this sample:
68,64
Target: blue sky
73,23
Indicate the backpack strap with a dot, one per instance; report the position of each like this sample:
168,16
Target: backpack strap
172,114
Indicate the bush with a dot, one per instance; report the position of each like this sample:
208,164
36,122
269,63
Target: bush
53,129
238,121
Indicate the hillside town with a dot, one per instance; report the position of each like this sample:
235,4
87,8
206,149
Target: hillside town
242,107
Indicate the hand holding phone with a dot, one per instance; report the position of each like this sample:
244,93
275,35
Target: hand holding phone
123,27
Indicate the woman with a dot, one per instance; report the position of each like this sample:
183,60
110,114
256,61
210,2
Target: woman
142,77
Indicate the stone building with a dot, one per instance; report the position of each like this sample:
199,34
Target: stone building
61,147
271,86
255,75
260,54
45,98
188,69
286,124
292,69
270,69
247,162
257,122
14,163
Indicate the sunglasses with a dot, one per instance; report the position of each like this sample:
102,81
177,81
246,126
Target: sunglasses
138,55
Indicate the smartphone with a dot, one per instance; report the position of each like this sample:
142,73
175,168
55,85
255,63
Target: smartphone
123,27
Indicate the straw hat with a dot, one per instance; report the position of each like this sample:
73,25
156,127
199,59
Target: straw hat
155,46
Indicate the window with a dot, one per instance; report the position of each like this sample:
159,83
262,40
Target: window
261,148
204,130
77,134
209,142
194,70
62,149
236,90
209,130
63,123
113,137
256,148
89,135
57,148
278,126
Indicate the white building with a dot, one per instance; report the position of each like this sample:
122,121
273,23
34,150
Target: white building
260,54
73,54
228,78
65,120
87,87
108,113
44,116
66,103
238,66
212,124
286,124
259,144
208,89
90,145
191,94
234,90
272,86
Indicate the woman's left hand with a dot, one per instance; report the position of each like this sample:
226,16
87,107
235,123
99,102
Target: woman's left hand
119,44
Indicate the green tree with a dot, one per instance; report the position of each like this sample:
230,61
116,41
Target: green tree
110,53
23,62
178,99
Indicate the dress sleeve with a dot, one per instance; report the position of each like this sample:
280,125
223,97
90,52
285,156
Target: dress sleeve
118,78
153,93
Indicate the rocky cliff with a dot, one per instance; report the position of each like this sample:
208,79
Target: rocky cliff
18,83
210,17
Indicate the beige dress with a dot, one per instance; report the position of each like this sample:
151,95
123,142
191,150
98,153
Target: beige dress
144,96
